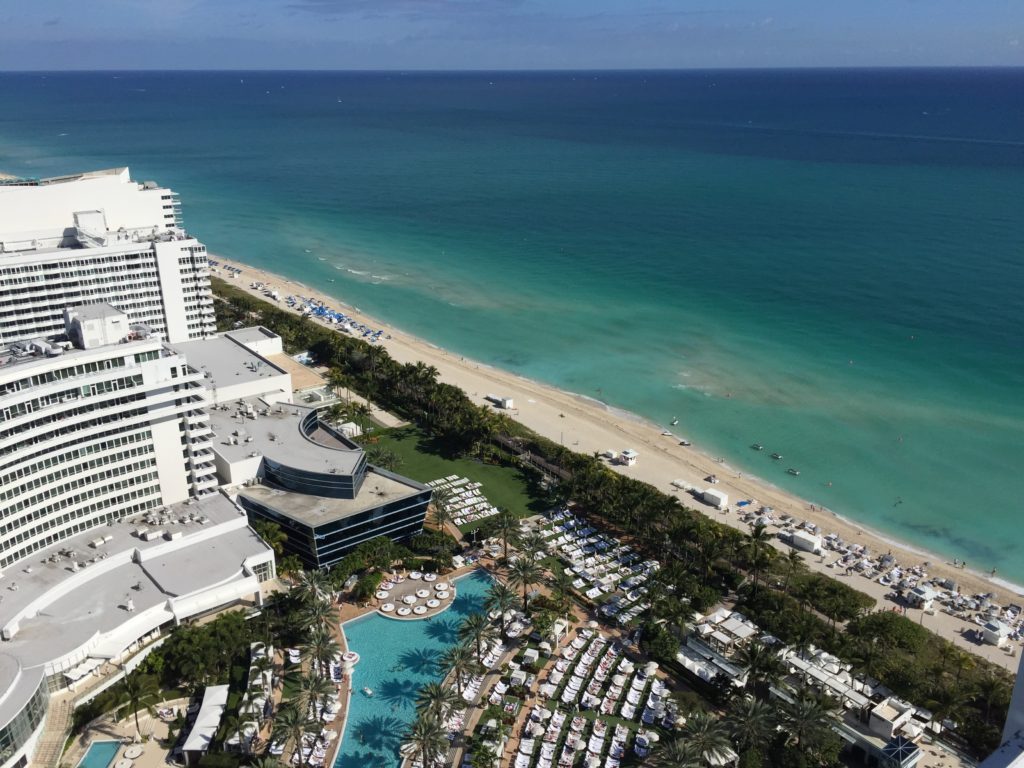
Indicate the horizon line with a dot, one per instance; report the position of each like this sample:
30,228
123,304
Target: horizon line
414,70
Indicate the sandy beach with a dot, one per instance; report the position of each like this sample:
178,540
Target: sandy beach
589,426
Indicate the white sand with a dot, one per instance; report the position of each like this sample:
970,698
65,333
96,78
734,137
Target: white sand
586,425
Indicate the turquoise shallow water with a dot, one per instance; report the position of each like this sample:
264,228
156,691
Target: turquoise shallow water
397,658
828,263
100,754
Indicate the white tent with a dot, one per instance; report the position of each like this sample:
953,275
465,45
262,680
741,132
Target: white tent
215,700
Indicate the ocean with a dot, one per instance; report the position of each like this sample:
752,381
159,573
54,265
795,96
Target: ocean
829,263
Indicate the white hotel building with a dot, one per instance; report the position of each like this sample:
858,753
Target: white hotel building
98,238
112,528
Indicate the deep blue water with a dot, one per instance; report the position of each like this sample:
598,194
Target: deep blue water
830,263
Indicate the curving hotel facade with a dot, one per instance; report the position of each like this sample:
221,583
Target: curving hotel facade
112,526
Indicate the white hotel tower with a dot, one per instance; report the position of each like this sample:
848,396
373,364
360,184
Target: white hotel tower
112,527
99,238
111,426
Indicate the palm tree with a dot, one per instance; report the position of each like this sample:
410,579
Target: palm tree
993,690
751,725
524,573
321,648
140,692
532,544
336,413
318,615
360,413
762,665
232,726
708,737
757,551
384,458
312,693
678,753
501,599
264,664
477,629
337,381
506,527
948,702
794,565
313,586
292,723
807,719
271,534
964,662
460,661
561,584
483,756
439,700
442,501
427,740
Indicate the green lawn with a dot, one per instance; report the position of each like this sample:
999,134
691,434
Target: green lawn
505,487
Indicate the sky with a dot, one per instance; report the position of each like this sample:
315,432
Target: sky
507,34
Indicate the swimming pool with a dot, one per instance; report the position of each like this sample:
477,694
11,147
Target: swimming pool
100,754
396,659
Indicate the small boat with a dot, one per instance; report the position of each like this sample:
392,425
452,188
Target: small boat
673,422
793,471
321,258
308,251
666,433
684,441
330,279
777,456
757,447
368,691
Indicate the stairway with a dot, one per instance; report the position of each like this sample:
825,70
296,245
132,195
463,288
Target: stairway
51,743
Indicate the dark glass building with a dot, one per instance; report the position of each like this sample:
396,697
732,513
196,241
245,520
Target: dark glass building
328,499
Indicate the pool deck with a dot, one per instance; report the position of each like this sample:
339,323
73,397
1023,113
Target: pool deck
408,588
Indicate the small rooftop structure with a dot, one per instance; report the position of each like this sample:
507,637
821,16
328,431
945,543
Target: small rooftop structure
922,596
994,632
715,498
233,370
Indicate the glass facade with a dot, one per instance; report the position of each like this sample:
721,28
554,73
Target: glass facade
324,545
14,735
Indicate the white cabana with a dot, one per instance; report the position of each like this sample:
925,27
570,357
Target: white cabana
215,700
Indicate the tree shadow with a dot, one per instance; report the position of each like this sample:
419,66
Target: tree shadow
419,660
464,605
353,757
379,733
401,694
430,445
443,630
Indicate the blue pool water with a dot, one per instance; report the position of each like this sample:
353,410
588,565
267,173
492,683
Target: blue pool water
100,754
397,658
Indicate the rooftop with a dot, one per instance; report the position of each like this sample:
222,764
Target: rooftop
225,361
62,597
251,335
275,431
9,357
378,488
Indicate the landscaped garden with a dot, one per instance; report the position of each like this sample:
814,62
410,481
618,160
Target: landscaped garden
506,487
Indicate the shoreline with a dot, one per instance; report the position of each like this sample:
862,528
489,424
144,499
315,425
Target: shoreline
588,425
